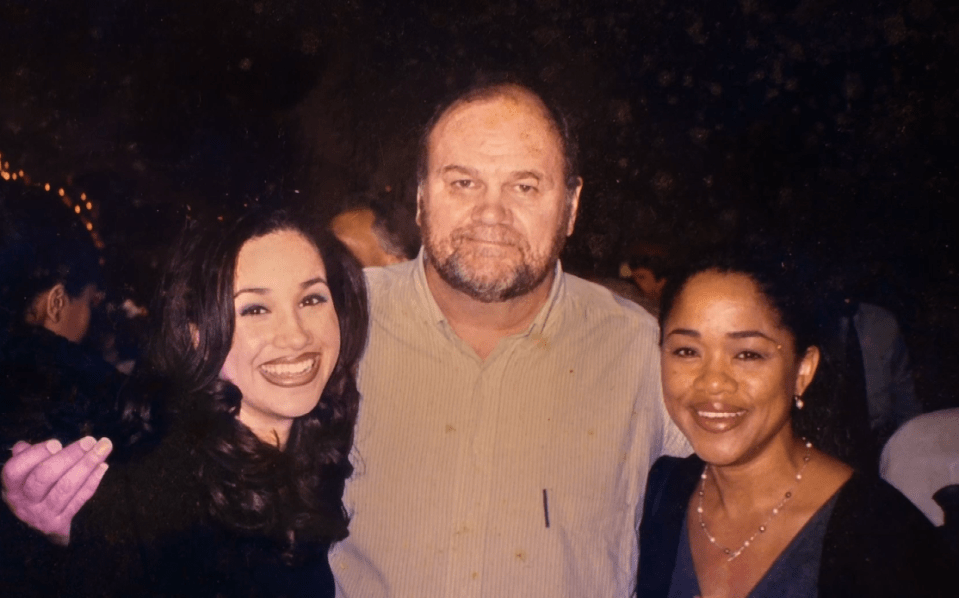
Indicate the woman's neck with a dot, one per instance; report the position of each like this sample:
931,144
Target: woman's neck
760,482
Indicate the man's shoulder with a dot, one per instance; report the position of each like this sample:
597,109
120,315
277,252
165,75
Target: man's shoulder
595,301
385,281
378,277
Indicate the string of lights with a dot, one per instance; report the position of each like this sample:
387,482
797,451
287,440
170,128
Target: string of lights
82,206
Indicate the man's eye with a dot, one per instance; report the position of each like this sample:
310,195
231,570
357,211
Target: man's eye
463,184
526,189
253,310
314,299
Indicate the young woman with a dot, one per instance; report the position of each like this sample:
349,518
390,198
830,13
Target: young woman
760,510
244,420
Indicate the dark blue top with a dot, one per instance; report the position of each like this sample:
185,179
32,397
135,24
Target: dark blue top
794,573
876,542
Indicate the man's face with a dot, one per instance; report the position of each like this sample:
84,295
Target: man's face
493,207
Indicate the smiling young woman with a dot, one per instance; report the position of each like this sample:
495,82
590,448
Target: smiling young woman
758,510
286,338
241,422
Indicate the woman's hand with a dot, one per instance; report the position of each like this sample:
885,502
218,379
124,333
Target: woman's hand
45,484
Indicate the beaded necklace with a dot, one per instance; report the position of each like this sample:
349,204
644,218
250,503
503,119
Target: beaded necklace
732,554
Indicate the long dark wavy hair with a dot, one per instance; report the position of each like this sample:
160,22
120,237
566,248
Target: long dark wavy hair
790,283
294,494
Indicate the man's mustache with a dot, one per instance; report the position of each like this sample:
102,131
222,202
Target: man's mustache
499,233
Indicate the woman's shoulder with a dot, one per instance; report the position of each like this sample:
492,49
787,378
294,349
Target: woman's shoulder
878,543
867,499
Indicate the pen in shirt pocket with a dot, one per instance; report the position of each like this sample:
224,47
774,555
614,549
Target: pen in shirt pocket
546,507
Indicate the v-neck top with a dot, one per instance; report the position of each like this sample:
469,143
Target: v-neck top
794,573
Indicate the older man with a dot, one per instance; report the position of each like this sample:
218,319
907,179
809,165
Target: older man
511,411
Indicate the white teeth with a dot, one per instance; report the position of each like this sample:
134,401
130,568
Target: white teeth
719,414
288,369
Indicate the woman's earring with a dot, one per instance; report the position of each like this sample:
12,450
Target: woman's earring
798,401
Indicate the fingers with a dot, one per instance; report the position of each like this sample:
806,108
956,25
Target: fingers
19,447
25,458
85,492
46,471
57,480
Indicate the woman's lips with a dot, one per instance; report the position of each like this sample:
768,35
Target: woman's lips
717,418
296,371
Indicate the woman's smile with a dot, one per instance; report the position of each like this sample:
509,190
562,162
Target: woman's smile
297,371
717,417
729,369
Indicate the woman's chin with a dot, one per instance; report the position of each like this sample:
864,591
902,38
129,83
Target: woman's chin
719,449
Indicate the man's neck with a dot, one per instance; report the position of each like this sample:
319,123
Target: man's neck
482,325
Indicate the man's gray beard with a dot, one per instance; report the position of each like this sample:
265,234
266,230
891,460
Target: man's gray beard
522,280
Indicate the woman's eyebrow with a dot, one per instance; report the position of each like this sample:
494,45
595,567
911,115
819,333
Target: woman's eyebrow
263,291
313,281
684,332
254,290
750,334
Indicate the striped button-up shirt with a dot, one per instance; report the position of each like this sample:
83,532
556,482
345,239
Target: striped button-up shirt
518,475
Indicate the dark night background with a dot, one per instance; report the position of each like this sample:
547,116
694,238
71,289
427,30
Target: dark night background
831,123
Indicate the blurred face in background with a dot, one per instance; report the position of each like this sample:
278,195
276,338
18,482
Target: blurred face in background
355,229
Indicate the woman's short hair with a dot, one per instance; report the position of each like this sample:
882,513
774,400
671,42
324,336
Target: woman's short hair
782,276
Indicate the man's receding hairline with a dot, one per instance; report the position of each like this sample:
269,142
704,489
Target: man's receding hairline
524,95
501,91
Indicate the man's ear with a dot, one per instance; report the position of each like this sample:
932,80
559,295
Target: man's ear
574,205
54,302
419,205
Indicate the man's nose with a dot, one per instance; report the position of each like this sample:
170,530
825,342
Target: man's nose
492,207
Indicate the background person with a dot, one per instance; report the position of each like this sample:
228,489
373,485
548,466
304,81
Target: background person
759,510
648,265
50,285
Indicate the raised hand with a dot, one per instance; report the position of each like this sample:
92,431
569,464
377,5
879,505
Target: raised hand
45,484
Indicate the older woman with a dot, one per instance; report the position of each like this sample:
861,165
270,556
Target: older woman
759,510
241,427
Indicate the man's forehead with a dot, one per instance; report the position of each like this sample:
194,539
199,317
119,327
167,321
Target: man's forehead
473,118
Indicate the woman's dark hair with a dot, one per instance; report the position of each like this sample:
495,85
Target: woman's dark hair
779,275
292,494
789,282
